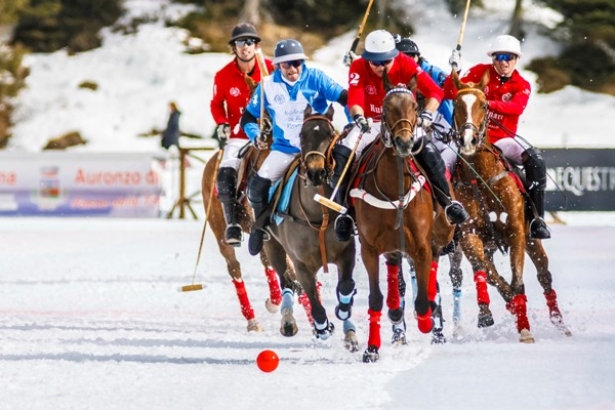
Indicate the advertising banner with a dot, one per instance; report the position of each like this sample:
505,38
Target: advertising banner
79,184
580,179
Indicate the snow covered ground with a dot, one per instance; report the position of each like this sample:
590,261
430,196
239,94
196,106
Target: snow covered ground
90,318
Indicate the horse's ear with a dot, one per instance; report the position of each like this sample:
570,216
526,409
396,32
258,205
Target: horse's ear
456,80
308,111
412,83
329,113
386,80
484,81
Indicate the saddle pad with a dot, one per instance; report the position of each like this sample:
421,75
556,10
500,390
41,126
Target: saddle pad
284,198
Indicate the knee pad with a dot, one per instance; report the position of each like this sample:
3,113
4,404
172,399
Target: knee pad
226,184
535,168
258,189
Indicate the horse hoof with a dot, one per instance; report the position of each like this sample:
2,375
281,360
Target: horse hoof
399,337
289,329
271,307
371,355
525,336
254,326
485,320
438,338
289,325
325,333
351,343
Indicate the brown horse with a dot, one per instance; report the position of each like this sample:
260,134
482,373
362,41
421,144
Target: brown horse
395,215
492,196
252,160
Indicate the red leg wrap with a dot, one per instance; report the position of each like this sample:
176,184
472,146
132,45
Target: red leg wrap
275,293
374,328
518,307
242,295
425,322
432,287
307,306
552,303
393,287
482,294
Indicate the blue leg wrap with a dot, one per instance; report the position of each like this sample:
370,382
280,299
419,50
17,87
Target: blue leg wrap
288,299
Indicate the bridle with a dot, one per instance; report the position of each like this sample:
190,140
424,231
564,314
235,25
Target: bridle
387,131
477,131
325,155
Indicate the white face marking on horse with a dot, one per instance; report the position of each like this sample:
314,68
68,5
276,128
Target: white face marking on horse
468,134
317,127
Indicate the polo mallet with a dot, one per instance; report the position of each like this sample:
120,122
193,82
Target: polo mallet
199,286
355,43
463,26
329,202
264,73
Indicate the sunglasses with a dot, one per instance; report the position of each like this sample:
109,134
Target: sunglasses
380,63
504,56
246,42
296,63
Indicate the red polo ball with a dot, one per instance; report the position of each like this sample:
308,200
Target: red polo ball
267,361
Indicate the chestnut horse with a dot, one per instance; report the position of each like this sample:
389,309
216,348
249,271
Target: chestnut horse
302,232
252,160
492,196
396,215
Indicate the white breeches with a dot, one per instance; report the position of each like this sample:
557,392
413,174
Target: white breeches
230,158
512,148
275,165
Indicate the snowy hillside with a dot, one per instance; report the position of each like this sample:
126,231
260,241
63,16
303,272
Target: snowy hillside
139,74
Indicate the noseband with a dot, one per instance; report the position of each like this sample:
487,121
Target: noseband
386,130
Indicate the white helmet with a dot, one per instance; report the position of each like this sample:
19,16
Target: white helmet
380,46
505,44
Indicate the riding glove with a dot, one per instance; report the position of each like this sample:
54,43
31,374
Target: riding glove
455,60
261,142
425,119
349,57
361,123
223,131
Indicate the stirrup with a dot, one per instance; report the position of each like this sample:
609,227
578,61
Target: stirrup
539,229
233,235
456,213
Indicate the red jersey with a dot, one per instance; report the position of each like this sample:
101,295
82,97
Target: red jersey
231,95
366,89
506,101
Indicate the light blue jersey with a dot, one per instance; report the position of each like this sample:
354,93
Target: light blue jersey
285,105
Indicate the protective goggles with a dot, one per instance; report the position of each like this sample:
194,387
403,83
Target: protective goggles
380,63
295,63
246,42
504,56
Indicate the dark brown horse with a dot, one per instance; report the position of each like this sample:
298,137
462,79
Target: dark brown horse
396,215
493,198
251,161
303,232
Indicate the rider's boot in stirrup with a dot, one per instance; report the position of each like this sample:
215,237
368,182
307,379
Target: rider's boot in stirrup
258,196
344,224
430,159
536,182
226,184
